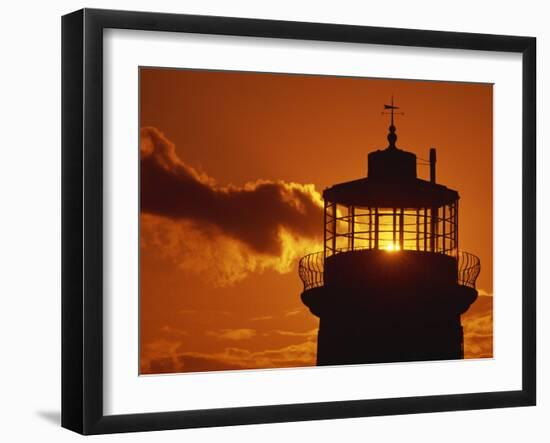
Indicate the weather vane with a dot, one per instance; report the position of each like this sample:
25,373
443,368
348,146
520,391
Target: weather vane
392,109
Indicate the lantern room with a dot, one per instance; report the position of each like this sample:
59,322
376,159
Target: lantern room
391,209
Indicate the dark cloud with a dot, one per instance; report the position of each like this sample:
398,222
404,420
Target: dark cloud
256,213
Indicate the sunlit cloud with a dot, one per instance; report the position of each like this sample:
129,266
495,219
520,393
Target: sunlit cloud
262,318
312,334
208,312
293,312
174,332
220,260
232,334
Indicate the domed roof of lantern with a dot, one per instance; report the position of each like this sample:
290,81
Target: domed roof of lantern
391,181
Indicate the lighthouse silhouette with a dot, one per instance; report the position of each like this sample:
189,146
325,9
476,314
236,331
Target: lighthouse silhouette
391,283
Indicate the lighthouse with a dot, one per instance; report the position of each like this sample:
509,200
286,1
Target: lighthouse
391,283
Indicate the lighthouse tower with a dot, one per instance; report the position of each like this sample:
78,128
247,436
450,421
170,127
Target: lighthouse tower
391,282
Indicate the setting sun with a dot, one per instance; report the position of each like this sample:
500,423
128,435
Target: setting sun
392,247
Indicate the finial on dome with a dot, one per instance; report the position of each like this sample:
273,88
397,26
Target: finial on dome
392,136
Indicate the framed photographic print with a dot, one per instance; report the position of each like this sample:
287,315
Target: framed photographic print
269,221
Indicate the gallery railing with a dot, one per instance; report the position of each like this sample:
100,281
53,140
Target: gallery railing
311,269
469,268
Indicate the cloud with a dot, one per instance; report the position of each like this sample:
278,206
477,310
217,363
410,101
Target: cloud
477,324
296,355
312,334
156,357
207,312
258,214
293,312
262,318
232,334
169,331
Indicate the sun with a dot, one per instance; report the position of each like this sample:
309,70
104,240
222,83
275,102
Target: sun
392,247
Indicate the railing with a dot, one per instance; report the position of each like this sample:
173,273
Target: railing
469,268
311,268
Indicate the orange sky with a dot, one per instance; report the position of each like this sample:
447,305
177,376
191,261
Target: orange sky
226,295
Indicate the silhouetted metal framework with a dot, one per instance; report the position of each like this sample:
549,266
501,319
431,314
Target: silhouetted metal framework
350,228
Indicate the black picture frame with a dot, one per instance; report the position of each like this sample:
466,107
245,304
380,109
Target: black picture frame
82,219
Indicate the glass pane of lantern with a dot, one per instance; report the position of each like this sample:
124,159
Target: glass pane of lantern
410,233
362,228
342,227
388,226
